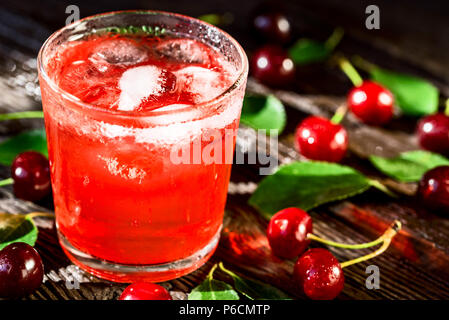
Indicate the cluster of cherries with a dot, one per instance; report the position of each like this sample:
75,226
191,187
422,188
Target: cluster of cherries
289,233
316,271
22,272
433,135
21,268
318,138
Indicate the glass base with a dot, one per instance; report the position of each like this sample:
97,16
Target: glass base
135,273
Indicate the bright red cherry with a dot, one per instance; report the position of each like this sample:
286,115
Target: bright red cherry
433,189
31,174
287,232
21,270
272,66
272,25
319,274
371,103
433,133
145,291
318,138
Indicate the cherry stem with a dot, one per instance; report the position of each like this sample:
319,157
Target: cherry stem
379,186
339,114
32,215
446,110
211,272
376,242
350,71
6,182
220,264
363,64
334,39
386,239
21,115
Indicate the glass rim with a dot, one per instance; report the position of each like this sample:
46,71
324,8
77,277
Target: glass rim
243,70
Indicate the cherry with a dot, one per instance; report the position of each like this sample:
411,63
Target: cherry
371,103
433,189
272,66
271,24
433,133
287,232
145,291
31,174
319,274
318,138
21,270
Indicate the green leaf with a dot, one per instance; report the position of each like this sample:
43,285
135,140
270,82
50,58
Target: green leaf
21,115
307,50
307,185
217,19
409,166
211,18
16,228
260,112
255,290
211,289
413,95
30,140
154,31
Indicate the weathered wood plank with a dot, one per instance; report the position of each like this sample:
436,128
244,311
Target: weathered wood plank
415,267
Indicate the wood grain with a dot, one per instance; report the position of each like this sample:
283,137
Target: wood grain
415,267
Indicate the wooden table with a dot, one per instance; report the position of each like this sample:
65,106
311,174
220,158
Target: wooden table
416,265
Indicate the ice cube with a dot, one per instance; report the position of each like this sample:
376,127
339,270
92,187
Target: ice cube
204,84
124,52
183,51
84,81
140,83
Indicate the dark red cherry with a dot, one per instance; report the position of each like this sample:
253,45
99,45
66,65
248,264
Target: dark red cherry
31,174
371,103
272,66
145,291
287,232
21,270
433,133
318,138
271,25
433,189
319,274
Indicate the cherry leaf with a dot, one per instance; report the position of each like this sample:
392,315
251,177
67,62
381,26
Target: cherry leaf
409,166
260,112
211,289
413,95
16,228
307,51
306,185
34,140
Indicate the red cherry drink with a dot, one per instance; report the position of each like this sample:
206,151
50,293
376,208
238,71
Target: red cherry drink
141,131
